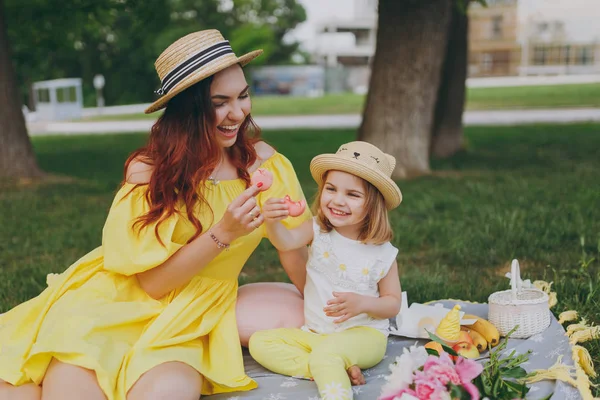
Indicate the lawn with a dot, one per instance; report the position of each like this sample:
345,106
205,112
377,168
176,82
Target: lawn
530,192
554,96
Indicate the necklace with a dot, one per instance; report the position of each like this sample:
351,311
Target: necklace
212,178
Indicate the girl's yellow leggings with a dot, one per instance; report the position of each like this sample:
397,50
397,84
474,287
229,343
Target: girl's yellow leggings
322,357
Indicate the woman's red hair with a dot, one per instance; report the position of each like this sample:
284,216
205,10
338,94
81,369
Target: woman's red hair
183,152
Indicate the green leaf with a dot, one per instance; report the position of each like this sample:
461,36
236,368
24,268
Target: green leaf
432,352
517,388
516,372
496,388
487,385
447,349
455,392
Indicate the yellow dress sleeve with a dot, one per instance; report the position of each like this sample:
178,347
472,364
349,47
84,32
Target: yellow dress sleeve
285,182
130,251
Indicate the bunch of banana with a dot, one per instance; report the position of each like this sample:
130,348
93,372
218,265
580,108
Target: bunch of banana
482,332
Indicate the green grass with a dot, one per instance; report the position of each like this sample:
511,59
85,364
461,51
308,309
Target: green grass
521,97
553,96
528,192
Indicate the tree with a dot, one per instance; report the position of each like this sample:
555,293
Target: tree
279,17
447,136
416,94
17,159
82,38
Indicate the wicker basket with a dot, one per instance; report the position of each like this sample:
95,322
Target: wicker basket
525,307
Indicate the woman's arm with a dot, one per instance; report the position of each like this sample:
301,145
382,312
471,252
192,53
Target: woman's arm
294,264
182,266
275,210
285,239
179,269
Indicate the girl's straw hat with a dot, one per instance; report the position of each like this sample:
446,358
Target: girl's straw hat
192,58
365,161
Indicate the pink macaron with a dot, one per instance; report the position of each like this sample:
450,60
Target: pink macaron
262,175
295,208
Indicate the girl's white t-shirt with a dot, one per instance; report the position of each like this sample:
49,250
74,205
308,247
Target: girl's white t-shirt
339,264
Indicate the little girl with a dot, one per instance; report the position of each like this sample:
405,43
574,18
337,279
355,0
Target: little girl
352,284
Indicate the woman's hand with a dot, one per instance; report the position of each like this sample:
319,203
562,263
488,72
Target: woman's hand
241,217
345,305
275,210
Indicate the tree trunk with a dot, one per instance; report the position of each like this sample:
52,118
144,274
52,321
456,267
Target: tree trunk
31,96
399,110
447,134
17,159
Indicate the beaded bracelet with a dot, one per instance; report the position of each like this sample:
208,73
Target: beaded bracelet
220,244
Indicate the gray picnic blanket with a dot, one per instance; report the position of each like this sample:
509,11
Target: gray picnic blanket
546,347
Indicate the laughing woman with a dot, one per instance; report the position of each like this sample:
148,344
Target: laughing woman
151,313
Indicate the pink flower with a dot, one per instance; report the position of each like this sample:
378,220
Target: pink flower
429,385
441,369
431,382
467,369
408,393
472,390
445,374
424,390
443,359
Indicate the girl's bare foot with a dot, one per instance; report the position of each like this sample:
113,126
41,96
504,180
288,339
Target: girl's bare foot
356,376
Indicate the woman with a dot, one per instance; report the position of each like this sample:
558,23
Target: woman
151,313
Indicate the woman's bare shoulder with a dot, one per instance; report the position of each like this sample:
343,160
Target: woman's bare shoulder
139,171
264,151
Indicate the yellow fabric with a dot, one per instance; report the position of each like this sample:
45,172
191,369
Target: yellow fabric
95,315
322,357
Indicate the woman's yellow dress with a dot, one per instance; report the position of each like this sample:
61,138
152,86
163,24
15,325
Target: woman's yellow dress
95,315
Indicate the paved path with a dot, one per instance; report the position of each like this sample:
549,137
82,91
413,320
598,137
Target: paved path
482,82
509,117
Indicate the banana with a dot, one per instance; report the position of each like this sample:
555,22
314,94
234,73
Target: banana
477,338
485,328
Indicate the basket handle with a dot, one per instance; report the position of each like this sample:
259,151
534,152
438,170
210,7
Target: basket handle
515,278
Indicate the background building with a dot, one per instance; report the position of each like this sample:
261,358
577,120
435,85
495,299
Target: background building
493,39
534,37
506,38
345,46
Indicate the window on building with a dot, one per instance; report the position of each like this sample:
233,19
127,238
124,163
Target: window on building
585,55
43,96
487,62
66,95
541,28
565,55
497,26
539,55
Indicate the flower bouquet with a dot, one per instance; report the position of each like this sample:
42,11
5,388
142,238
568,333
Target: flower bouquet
422,373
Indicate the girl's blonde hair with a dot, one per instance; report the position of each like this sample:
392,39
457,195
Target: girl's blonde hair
375,228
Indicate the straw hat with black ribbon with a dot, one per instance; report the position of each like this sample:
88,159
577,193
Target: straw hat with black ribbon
365,161
191,59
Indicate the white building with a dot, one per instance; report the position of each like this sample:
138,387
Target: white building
345,45
58,99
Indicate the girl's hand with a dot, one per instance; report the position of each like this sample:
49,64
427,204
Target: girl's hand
275,210
241,217
344,305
